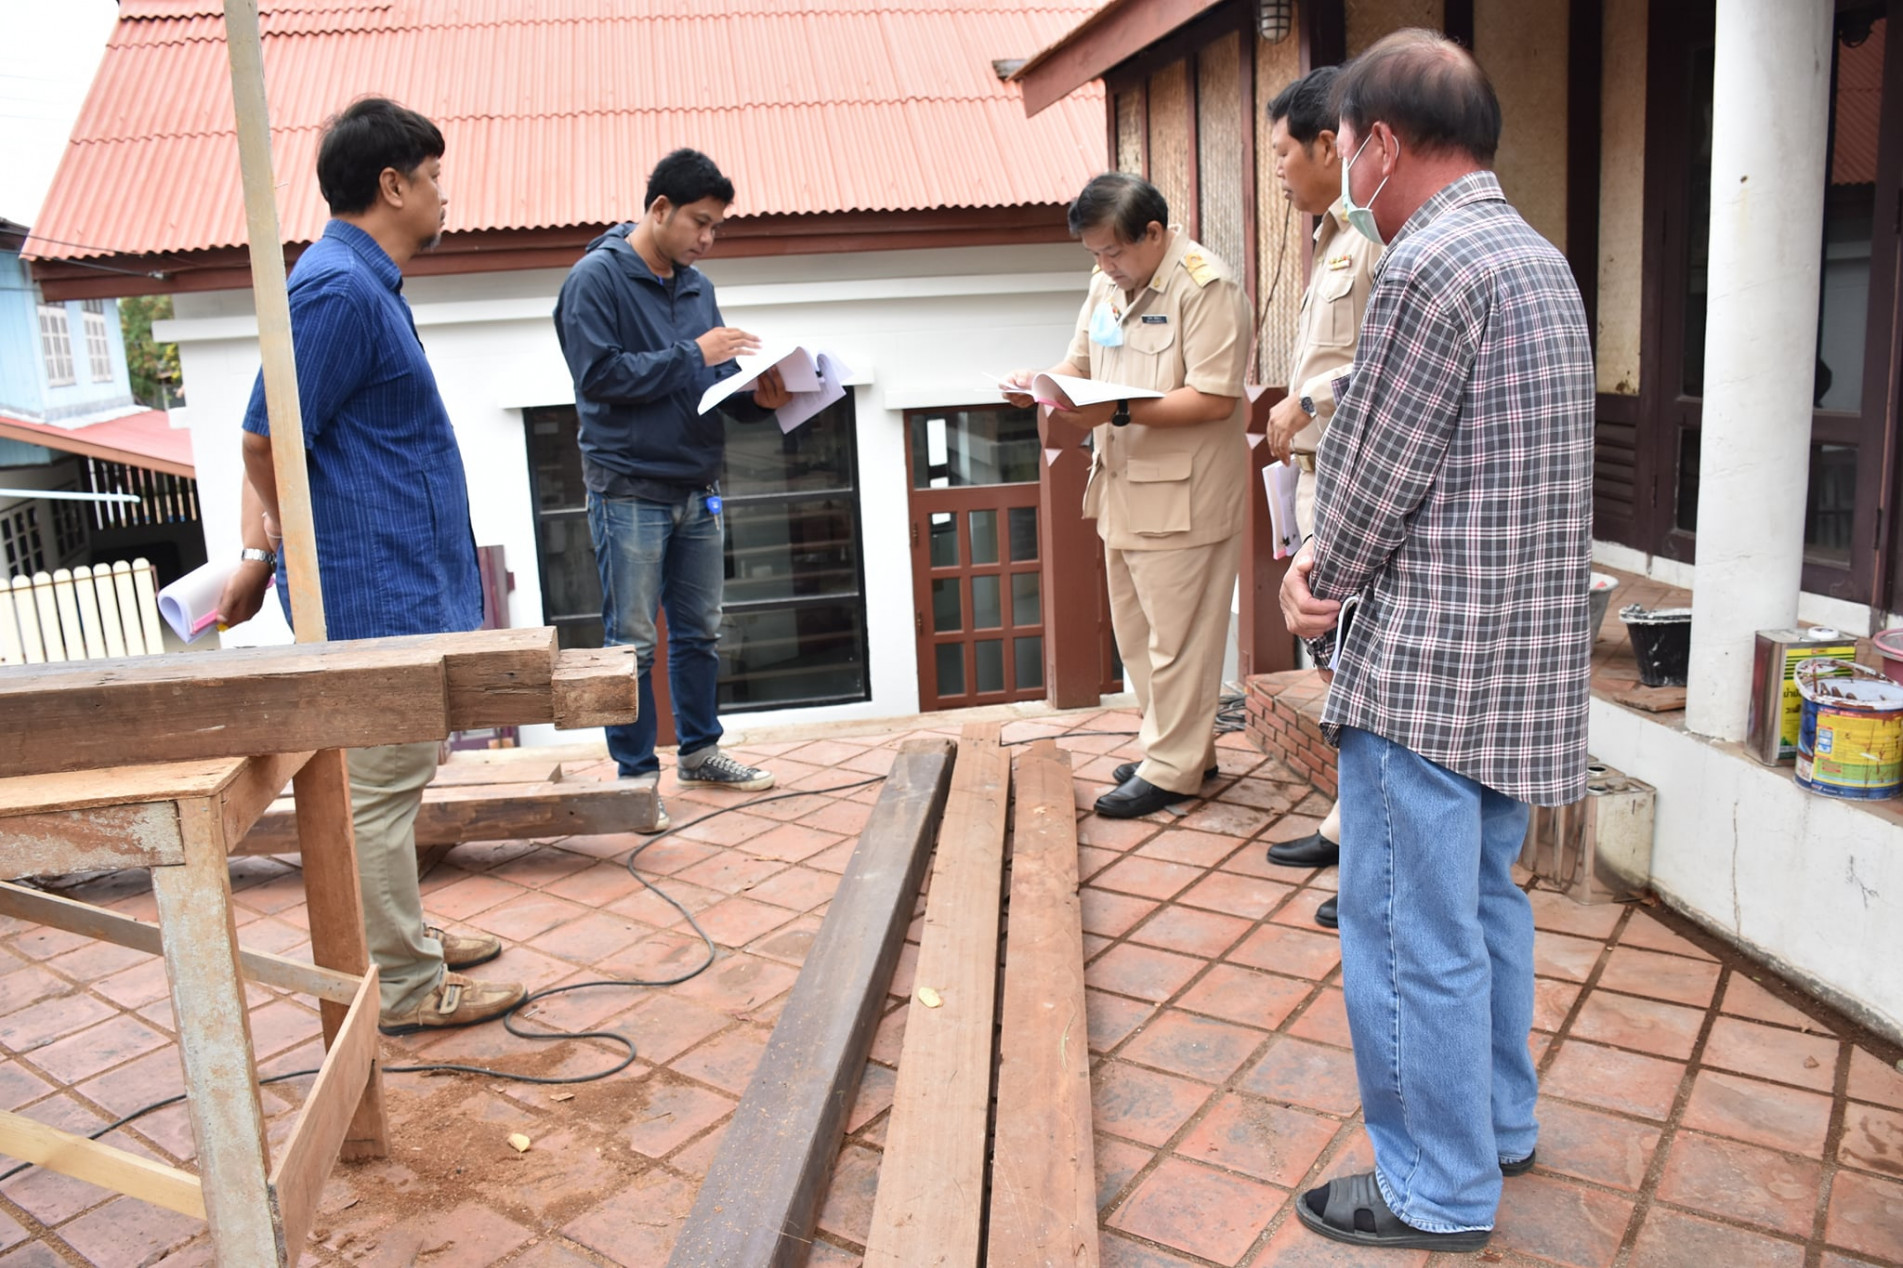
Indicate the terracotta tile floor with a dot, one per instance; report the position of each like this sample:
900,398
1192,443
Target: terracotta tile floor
1696,1111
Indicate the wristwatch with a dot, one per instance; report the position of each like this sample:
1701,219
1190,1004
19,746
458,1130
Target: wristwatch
1122,417
266,557
1308,406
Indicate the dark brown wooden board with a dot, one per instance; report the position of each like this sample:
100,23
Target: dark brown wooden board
761,1196
1043,1190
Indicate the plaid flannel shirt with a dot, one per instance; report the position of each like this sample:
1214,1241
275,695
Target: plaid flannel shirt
1455,499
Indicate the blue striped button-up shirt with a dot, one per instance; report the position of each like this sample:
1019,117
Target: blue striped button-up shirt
389,500
1455,497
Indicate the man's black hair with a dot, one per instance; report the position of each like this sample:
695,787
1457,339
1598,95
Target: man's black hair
1307,105
1428,89
1124,202
687,176
370,134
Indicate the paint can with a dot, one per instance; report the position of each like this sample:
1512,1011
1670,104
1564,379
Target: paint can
1776,707
1850,738
1889,645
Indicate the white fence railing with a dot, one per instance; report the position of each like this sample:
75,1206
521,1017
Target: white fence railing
80,614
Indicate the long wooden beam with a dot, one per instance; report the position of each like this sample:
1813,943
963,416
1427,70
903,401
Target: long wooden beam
302,698
1043,1191
929,1212
761,1196
101,1164
297,1181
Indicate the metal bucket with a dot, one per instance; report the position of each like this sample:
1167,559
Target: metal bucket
1850,740
1661,643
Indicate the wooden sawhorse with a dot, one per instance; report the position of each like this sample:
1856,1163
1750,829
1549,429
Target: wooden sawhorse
181,820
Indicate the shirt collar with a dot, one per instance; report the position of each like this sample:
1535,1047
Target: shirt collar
1474,187
1178,248
1331,222
366,247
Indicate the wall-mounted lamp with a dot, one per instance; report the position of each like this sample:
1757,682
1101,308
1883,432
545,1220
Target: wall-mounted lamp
1274,18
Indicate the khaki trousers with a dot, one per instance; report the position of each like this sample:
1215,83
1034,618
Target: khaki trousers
1170,611
386,791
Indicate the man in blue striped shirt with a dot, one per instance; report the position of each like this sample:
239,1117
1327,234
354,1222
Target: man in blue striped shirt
390,510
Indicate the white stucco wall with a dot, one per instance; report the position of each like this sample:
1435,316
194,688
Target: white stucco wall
1811,884
916,327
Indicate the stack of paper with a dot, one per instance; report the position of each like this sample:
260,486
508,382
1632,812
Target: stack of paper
816,380
1280,480
1069,391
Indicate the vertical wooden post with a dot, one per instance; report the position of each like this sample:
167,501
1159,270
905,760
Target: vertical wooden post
274,318
1263,643
328,848
1066,544
214,1040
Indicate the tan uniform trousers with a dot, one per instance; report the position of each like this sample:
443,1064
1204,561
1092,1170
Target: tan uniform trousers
1170,611
386,791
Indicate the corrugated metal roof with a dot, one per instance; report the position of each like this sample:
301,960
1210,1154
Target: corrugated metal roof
554,110
144,439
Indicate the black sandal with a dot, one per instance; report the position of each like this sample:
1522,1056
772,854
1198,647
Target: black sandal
1351,1209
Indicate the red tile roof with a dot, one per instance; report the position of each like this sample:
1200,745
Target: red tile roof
554,110
145,439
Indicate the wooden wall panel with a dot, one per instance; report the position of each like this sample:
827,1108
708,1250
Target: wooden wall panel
1130,129
1369,20
1169,137
1281,231
1219,148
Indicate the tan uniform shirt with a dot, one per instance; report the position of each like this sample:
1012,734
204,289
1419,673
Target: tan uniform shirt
1330,323
1164,488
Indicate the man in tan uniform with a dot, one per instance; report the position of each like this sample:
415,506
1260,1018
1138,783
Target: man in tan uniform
1302,132
1168,475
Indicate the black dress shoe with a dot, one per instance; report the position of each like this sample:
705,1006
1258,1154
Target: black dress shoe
1325,915
1313,850
1519,1166
1136,797
1122,774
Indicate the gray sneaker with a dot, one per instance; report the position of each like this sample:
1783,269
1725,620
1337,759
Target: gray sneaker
717,770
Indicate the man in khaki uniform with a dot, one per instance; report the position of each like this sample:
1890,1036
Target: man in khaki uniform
1302,133
1168,475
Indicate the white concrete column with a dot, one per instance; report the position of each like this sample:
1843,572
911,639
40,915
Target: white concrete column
1771,108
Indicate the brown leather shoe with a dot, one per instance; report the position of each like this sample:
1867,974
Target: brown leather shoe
465,950
456,1001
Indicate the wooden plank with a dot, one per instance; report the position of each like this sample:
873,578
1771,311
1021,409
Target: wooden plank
930,1205
109,926
99,839
334,899
214,1040
505,678
595,687
761,1195
527,767
118,785
101,1164
297,1182
1043,1191
255,788
496,812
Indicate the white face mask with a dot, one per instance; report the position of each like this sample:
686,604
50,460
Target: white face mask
1361,219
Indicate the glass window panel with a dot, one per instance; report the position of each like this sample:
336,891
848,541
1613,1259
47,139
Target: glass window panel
1029,655
570,584
555,460
951,669
983,444
984,536
813,456
1027,595
1687,509
1023,534
792,655
947,614
1850,199
986,614
791,549
1831,503
1698,226
944,544
990,653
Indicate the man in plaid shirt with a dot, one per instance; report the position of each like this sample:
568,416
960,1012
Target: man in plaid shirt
1455,508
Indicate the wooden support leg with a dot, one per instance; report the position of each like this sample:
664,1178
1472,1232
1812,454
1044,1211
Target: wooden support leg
214,1038
328,845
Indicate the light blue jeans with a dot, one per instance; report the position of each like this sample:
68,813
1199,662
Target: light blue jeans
1437,966
650,555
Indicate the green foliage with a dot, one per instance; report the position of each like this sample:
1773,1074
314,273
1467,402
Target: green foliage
156,379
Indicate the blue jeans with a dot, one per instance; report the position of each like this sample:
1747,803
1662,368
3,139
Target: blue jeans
654,554
1437,966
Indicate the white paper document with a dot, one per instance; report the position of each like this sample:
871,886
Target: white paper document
1344,621
816,380
190,604
1279,480
1068,391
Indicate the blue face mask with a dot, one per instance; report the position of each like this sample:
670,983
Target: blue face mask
1105,330
1361,219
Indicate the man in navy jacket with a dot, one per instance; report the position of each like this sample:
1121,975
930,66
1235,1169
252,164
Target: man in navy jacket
644,340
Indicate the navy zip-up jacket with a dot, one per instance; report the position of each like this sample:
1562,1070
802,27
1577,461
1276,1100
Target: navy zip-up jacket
629,338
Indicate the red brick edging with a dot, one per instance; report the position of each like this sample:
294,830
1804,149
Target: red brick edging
1284,721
